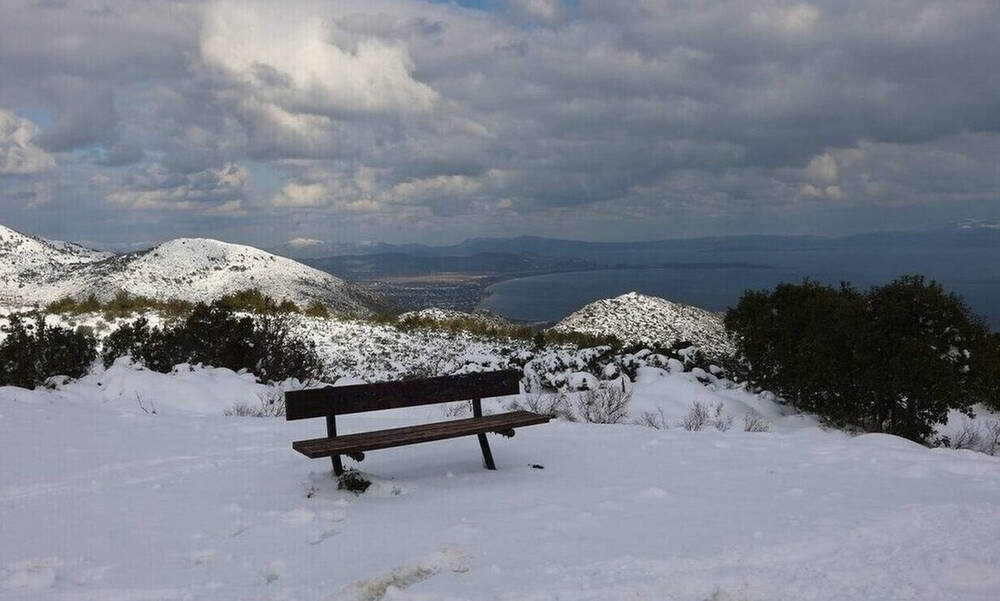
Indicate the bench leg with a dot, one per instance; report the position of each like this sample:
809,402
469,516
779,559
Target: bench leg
477,411
487,455
331,431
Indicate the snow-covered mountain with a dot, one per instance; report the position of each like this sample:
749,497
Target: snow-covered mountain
27,263
36,271
638,318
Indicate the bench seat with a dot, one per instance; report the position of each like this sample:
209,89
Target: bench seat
503,423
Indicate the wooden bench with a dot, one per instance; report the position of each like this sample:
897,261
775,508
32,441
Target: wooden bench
329,402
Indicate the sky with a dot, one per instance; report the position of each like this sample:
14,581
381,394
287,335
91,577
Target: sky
126,123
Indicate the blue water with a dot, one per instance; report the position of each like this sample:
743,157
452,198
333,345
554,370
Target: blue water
974,275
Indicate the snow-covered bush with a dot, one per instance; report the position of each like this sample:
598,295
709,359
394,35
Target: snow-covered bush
33,351
755,422
974,435
607,404
697,417
270,405
657,420
556,404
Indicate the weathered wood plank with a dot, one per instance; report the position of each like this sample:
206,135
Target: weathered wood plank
341,400
384,439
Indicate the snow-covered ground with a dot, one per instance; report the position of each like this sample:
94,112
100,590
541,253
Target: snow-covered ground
101,498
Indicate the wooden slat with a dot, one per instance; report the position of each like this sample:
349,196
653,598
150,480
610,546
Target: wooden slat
395,437
340,400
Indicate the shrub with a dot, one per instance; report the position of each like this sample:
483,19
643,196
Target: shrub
318,309
754,422
252,300
33,352
272,405
895,359
720,420
697,417
656,420
214,335
556,404
982,436
353,481
605,405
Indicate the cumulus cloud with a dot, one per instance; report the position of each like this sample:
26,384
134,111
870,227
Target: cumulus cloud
407,118
19,155
299,61
219,190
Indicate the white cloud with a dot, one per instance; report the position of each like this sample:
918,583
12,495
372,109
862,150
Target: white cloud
304,242
822,169
18,153
298,195
288,55
434,187
213,190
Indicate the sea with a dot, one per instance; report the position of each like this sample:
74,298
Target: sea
716,281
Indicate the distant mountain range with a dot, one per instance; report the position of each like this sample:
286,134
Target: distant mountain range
38,271
964,234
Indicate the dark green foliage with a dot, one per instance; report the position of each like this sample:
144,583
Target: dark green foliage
34,351
122,305
353,481
989,363
894,359
156,348
215,335
469,325
317,309
254,301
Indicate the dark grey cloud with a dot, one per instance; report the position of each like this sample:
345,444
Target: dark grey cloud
408,120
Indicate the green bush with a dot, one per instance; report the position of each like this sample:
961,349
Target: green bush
318,309
353,481
33,352
895,359
252,300
215,335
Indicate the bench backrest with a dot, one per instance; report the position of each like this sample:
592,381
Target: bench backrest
340,400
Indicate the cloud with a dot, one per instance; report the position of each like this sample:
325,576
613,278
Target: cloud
538,10
304,242
418,120
301,63
219,190
19,155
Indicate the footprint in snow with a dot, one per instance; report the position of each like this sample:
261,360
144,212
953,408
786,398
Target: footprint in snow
30,574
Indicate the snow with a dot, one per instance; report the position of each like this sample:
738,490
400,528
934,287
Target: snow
36,271
101,499
641,319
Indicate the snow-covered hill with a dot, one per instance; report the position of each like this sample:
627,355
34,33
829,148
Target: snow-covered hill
27,262
642,319
35,271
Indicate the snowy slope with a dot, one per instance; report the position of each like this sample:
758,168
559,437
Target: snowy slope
200,269
26,262
100,499
38,271
638,318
